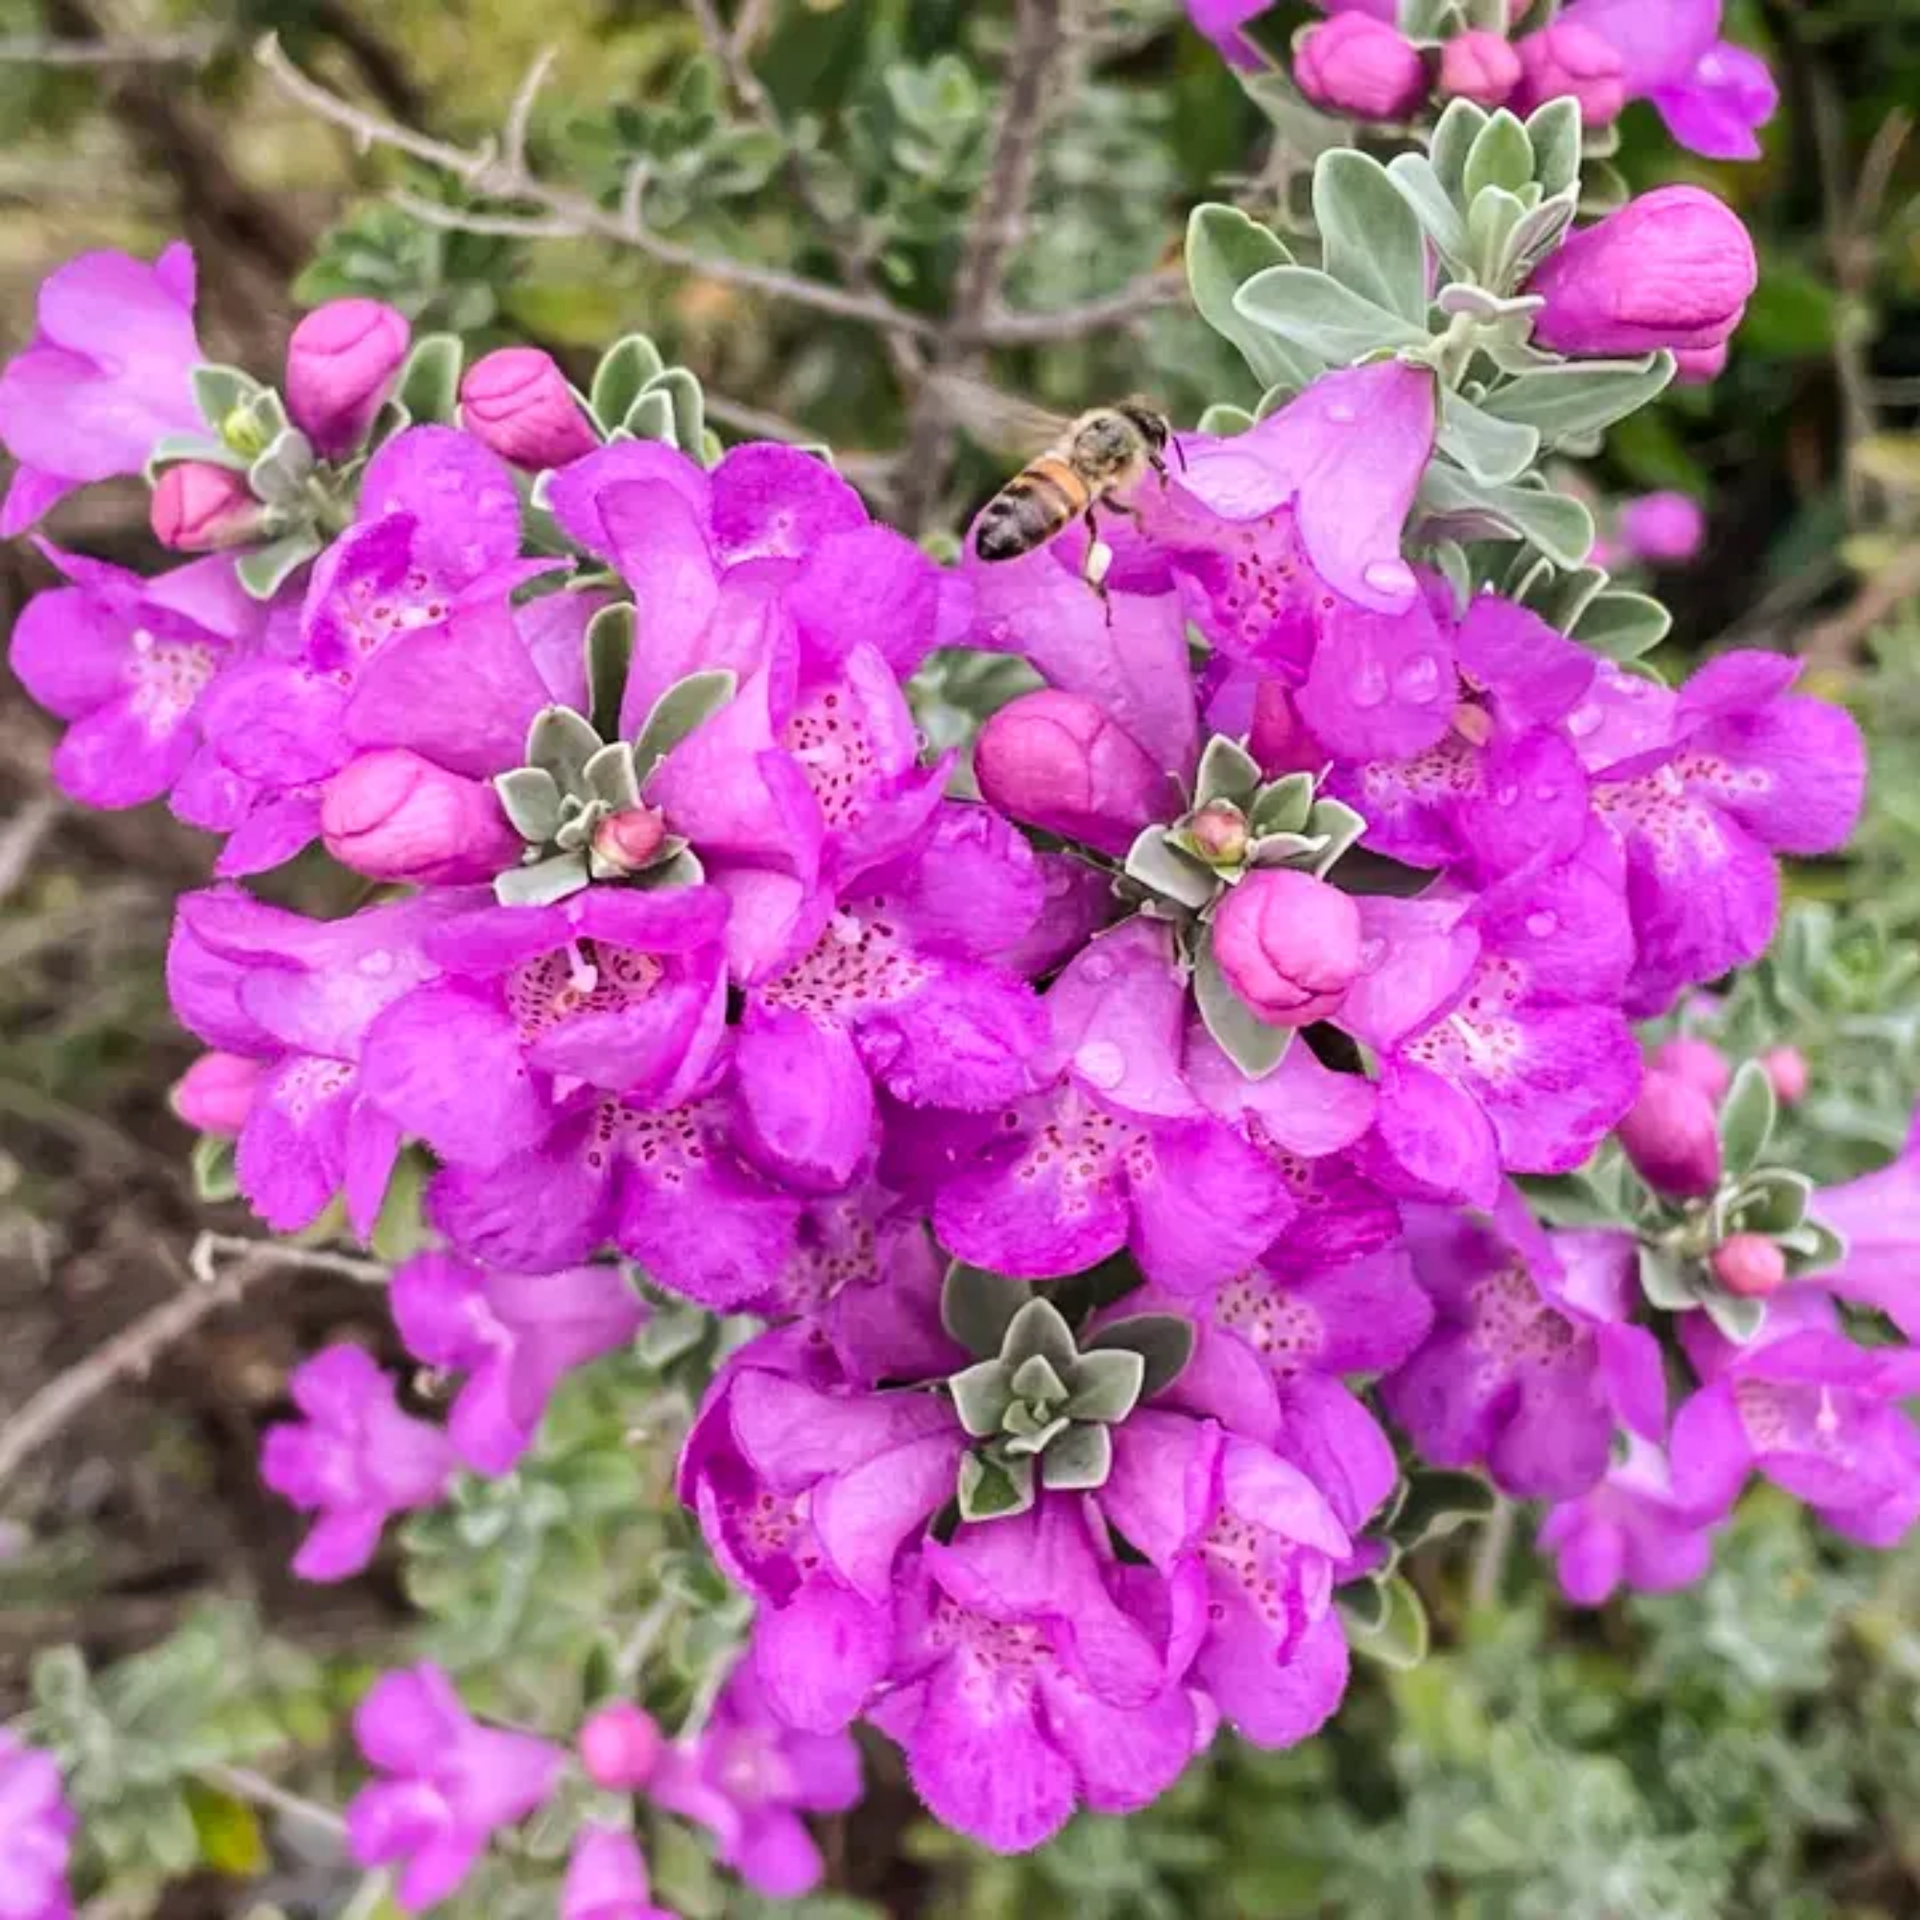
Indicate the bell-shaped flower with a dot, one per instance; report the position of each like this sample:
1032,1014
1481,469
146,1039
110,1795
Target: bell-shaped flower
36,1834
1630,1531
607,1879
1879,1217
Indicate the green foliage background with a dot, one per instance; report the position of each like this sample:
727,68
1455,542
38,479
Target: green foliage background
1750,1748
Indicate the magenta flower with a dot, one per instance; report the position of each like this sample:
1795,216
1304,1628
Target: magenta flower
1532,1362
216,1093
36,1834
1806,1407
107,373
449,1783
1221,21
1713,96
126,662
1118,1150
515,1336
1664,529
356,1461
1701,790
747,1779
1879,1217
516,401
298,996
1630,1530
1031,1679
1357,65
607,1879
342,360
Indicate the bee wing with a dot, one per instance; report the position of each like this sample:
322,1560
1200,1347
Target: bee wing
1000,422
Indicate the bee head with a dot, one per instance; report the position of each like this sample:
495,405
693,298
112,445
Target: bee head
1149,420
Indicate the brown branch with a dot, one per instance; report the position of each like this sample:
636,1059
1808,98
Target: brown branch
1164,287
156,50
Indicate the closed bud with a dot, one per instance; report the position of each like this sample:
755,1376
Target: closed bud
1479,66
620,1747
1672,1137
1288,945
342,360
1750,1265
1699,1061
1700,366
1358,65
1064,764
1663,528
394,816
517,402
200,508
1219,834
1673,268
630,840
1572,61
1786,1068
215,1094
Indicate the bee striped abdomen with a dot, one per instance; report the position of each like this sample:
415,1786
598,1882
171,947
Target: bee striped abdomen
1030,509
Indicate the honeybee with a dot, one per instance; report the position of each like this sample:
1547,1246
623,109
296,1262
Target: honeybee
1090,462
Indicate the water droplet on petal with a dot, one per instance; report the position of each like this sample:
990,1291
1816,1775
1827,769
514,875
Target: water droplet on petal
377,963
1101,1062
1341,413
1544,924
1418,681
1506,796
1585,720
1546,794
1389,576
1369,684
1096,968
1372,952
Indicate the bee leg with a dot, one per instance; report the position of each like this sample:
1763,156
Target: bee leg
1159,467
1099,559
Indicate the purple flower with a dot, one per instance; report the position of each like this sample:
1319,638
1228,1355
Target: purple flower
356,1462
216,1093
1479,66
450,1783
516,401
747,1779
1498,1026
1221,21
516,1336
298,996
1712,95
1813,1412
394,816
126,662
1531,1362
36,1834
1672,1136
1879,1216
1569,61
1701,790
200,508
1118,1150
1357,65
342,360
1663,528
607,1879
1629,1530
1030,1679
107,373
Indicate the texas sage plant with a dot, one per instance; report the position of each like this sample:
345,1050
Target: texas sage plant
1098,1100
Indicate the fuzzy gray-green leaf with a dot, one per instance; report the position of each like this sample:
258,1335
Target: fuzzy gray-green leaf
993,1489
1163,1341
981,1396
651,418
620,378
1417,182
1747,1118
1622,626
685,705
530,798
1156,863
609,655
1667,1281
610,777
1106,1384
1402,1637
683,395
1580,397
1773,1201
1315,312
1284,805
1493,450
1248,1041
265,570
1553,131
1372,241
561,742
1079,1461
1038,1328
1462,508
1036,1381
1501,157
542,883
1227,772
429,385
976,1307
1225,249
1740,1320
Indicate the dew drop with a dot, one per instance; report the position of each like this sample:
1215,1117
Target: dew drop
1101,1062
377,963
1389,576
1585,720
1418,681
1546,795
1506,796
1096,968
1341,413
1544,924
1372,952
1369,685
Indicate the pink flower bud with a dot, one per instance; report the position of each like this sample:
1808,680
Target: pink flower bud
1699,1061
1572,60
200,508
1358,65
1673,268
1700,366
1786,1068
620,1747
341,363
1666,528
1750,1265
517,402
394,816
1219,833
215,1094
1480,67
630,840
1672,1138
1288,944
1064,764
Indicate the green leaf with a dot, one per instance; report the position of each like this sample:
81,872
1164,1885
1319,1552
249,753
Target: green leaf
1571,1200
1740,1320
1225,420
1156,863
689,406
1079,1461
1340,827
1774,1201
231,1842
1812,1247
621,377
1493,220
1501,157
1582,397
1227,772
1038,1328
981,1395
561,742
1464,509
1106,1385
280,475
1164,1341
610,776
530,798
685,705
976,1307
1437,1503
1418,182
994,1489
1284,806
172,447
265,570
220,392
1226,249
1747,1119
541,884
1036,1381
1402,1638
1553,131
1621,625
1453,140
609,651
400,1229
1371,237
1315,312
1248,1041
1667,1281
212,1164
429,386
651,417
1492,450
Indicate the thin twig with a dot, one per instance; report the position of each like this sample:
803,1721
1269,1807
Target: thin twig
212,1248
1164,287
1490,1556
244,1784
21,840
513,152
158,50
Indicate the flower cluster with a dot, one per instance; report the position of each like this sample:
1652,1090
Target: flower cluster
1118,1130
